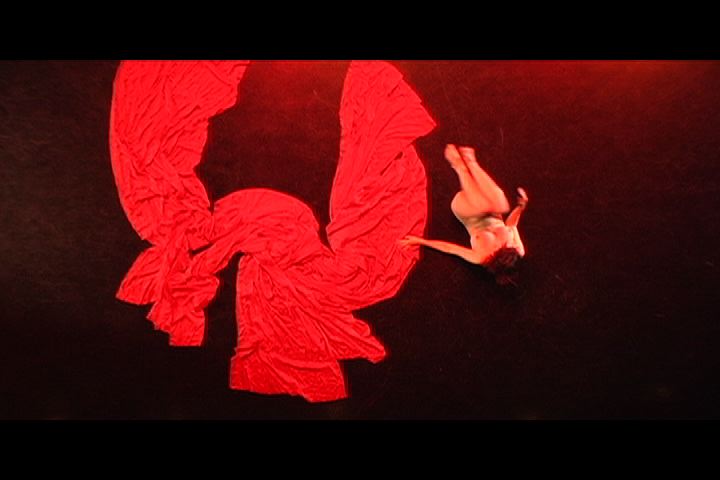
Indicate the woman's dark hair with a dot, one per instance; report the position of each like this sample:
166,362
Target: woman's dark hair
502,265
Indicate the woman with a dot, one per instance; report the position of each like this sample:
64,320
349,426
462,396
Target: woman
496,244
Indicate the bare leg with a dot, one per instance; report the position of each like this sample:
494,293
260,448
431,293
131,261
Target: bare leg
464,210
471,200
485,184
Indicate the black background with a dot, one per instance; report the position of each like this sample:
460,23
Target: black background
614,317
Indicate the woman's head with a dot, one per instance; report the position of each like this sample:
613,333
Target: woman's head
502,264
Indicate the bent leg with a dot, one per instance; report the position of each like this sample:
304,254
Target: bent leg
492,193
471,201
464,210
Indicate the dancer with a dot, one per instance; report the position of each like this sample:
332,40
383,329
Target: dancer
480,205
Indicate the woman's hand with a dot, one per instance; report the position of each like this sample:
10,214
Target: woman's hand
522,199
411,240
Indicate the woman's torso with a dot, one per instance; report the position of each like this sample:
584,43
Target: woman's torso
488,233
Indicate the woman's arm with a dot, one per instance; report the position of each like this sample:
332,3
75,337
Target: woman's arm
446,247
514,218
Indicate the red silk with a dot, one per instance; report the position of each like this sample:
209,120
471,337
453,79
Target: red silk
294,295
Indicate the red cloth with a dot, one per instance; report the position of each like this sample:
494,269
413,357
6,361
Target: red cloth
295,296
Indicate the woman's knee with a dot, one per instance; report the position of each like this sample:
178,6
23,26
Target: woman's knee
462,205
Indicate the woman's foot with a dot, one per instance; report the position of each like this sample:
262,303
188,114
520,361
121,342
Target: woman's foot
468,154
453,156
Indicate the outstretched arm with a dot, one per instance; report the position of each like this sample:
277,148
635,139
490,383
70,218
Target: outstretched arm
446,247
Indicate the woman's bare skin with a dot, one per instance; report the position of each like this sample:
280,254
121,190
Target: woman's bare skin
479,206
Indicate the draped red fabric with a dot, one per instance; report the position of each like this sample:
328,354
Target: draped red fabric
295,296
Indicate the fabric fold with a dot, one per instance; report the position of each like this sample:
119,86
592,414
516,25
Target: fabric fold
295,296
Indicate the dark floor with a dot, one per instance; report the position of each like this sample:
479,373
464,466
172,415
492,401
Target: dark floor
615,315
